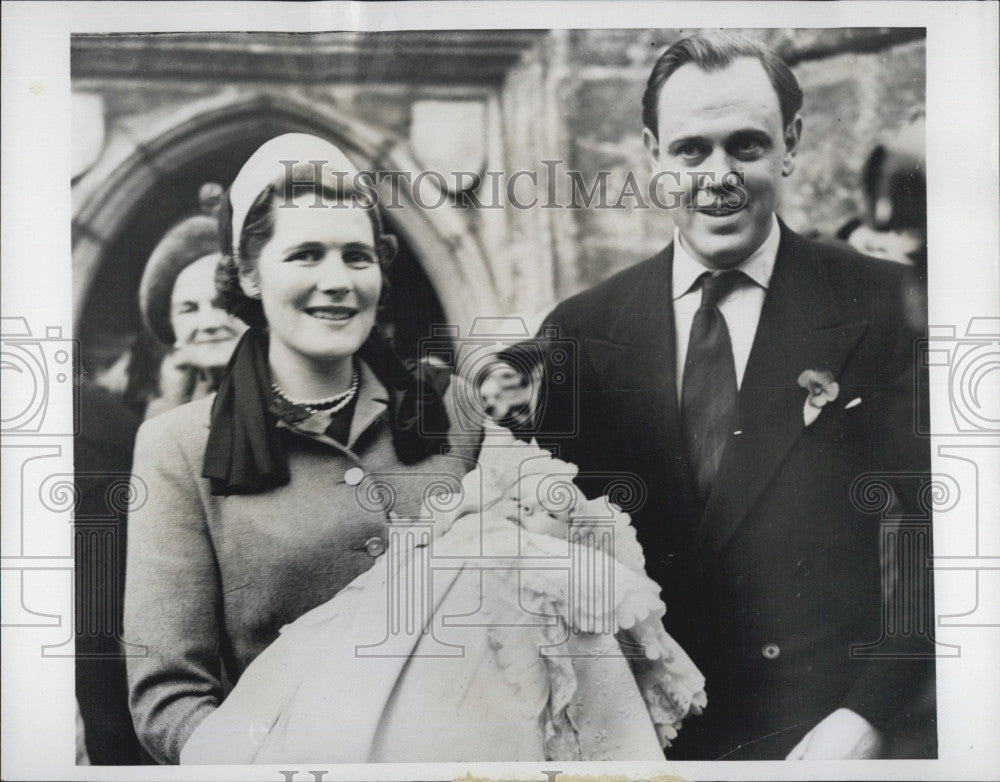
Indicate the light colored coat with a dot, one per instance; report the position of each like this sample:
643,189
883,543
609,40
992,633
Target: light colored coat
210,580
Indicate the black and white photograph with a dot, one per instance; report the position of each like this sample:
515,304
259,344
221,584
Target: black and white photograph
430,390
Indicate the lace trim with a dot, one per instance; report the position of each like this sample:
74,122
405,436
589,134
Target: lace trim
670,684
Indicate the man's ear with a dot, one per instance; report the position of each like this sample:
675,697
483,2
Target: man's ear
652,147
250,284
793,134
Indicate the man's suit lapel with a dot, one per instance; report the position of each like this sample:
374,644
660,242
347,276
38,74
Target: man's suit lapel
640,359
800,328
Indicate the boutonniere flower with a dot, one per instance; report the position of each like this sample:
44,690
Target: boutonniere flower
821,389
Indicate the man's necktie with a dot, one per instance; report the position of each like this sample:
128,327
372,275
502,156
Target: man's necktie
708,399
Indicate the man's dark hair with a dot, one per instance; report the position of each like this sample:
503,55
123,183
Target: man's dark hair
715,52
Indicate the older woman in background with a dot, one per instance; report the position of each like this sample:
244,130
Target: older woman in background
181,309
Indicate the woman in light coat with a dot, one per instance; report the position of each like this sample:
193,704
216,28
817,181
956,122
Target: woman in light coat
257,504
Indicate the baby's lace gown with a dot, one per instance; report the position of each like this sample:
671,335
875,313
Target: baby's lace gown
488,642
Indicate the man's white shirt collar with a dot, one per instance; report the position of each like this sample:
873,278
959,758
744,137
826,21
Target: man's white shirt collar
759,266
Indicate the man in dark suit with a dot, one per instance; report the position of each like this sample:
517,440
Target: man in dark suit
750,377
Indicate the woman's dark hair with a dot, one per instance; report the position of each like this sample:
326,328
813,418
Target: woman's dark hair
258,228
715,52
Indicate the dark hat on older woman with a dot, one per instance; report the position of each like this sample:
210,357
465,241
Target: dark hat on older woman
188,241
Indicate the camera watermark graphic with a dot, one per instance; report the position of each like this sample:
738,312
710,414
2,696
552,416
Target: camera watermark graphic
33,368
499,357
967,364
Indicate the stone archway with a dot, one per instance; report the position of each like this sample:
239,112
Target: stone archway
133,164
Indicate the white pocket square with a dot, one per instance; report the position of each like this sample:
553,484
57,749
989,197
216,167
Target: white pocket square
853,403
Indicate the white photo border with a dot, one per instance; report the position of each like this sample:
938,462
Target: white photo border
964,281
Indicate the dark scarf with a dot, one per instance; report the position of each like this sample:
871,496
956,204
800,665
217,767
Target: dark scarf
245,454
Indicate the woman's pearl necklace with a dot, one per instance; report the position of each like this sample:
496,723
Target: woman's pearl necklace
332,404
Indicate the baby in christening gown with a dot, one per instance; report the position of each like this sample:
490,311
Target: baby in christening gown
515,622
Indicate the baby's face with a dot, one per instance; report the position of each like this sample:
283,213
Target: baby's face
538,520
542,508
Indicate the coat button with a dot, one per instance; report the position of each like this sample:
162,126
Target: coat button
354,476
804,568
375,547
771,651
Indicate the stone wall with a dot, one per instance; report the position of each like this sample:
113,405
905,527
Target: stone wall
572,96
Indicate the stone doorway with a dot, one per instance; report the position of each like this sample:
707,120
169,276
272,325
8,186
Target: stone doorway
147,180
110,314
